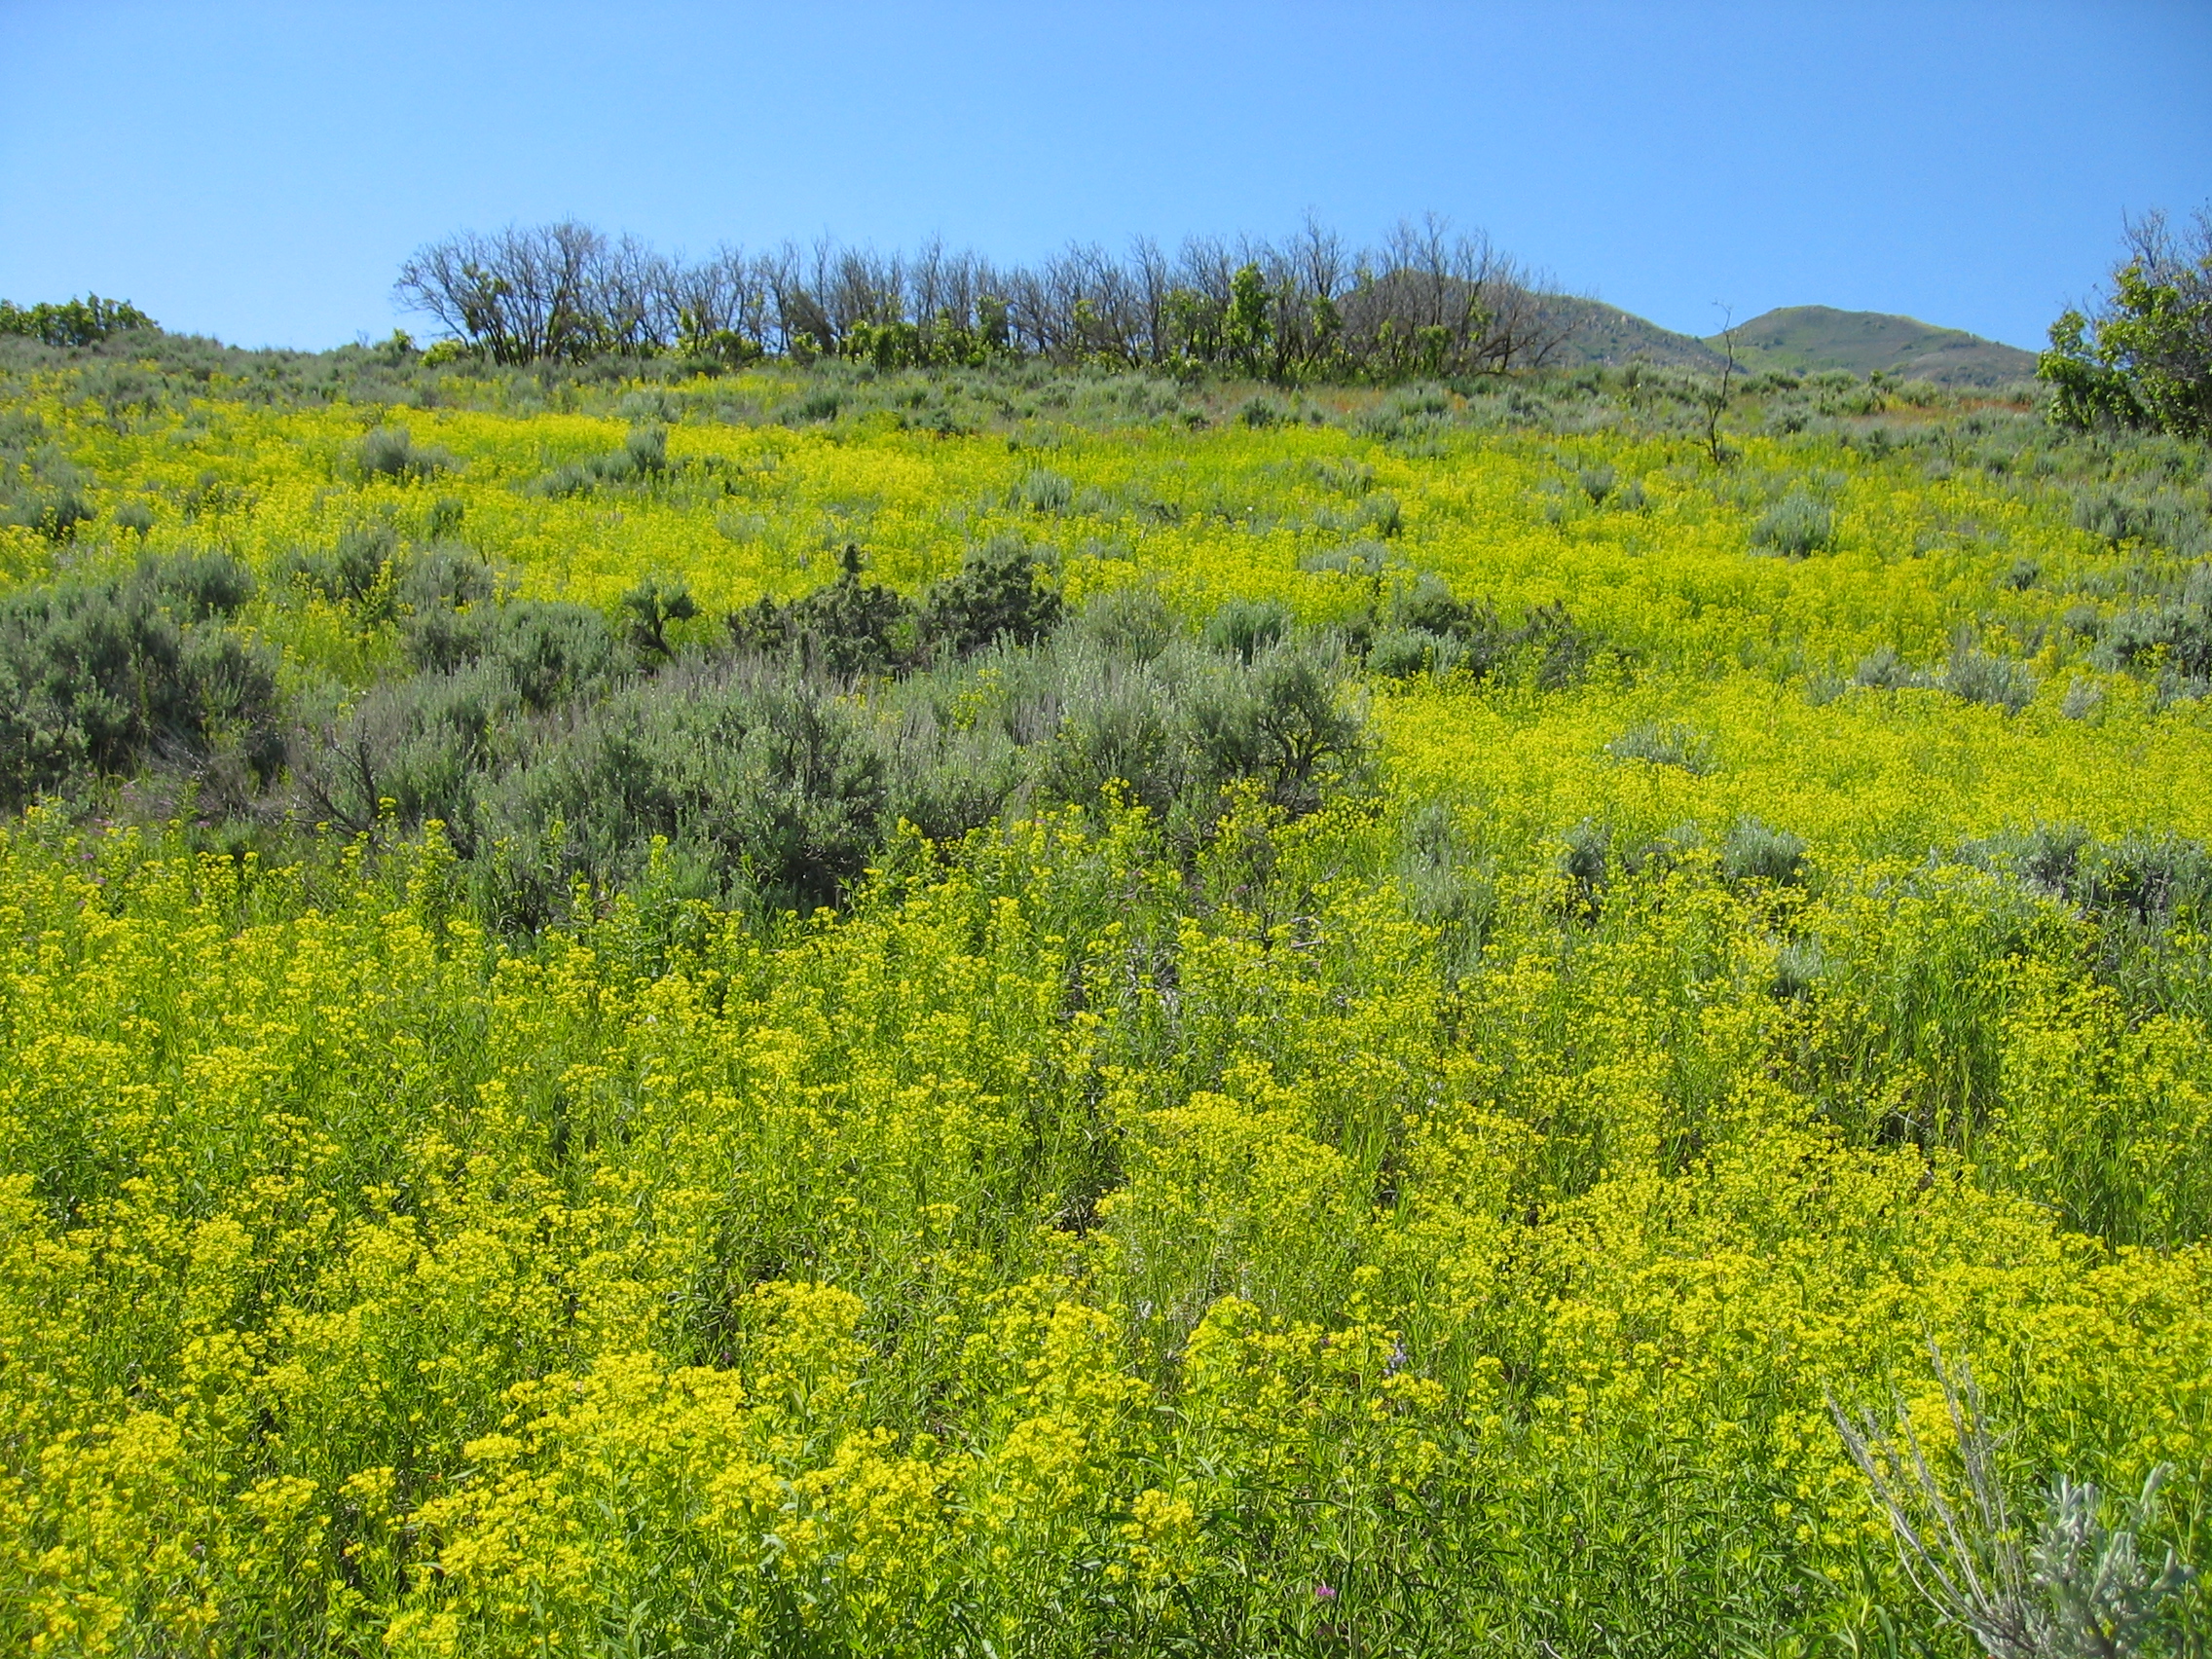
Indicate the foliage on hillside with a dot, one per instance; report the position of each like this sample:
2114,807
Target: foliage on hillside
2144,358
72,322
1023,1012
1810,338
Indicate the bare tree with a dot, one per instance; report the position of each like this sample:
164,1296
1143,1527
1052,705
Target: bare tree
1716,399
1429,301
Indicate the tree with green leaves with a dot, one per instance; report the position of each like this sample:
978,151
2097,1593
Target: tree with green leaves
1247,329
73,322
2143,357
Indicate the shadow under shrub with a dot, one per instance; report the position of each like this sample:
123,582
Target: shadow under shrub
1425,630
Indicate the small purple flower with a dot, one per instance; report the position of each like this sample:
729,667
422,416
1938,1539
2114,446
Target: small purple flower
1324,1593
1397,1360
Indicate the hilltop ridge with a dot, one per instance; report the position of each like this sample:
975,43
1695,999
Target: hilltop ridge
1793,338
1810,338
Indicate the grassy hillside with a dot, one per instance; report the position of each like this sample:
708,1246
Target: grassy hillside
816,1012
1607,334
1806,339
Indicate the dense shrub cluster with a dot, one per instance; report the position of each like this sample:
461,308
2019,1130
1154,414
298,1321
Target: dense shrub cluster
552,748
2170,637
1796,527
101,677
2151,881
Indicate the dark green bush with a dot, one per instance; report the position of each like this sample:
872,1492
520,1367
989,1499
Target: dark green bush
1303,731
2049,858
1426,630
1585,858
1427,606
2171,637
2153,880
350,571
422,743
1178,730
197,585
444,576
1554,648
1800,966
1407,654
768,780
848,629
40,488
1124,729
1365,558
652,606
1975,675
552,651
645,450
1885,671
1131,621
1382,515
554,756
995,596
2144,880
2107,513
1445,887
544,651
643,457
1043,492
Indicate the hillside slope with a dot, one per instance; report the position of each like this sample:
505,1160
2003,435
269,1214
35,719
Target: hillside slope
1810,338
1607,334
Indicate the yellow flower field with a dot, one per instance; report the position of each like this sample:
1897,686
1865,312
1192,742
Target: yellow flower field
1435,1219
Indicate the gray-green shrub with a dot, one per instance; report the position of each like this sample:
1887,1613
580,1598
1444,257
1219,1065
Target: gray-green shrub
1796,527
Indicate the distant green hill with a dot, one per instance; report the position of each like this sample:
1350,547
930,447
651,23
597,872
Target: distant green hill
1607,334
1810,338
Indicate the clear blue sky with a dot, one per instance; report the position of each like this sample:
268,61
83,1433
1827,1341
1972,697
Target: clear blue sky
259,170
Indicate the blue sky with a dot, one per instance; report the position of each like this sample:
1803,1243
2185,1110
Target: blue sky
258,171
